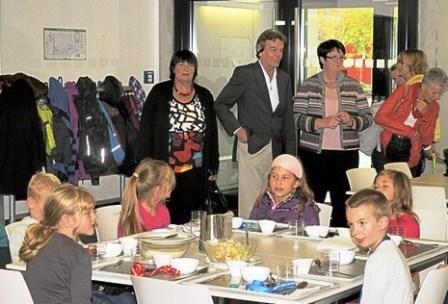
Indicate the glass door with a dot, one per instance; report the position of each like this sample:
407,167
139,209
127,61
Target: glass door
224,34
367,28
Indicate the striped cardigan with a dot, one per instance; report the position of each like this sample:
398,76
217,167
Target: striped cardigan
309,104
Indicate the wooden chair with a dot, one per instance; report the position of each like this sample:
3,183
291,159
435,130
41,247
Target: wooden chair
325,214
434,287
153,291
107,219
360,178
13,288
399,166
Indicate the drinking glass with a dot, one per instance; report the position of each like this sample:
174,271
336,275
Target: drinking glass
196,216
296,227
329,262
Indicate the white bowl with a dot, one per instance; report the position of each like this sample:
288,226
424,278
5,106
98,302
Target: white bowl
129,245
185,265
112,249
251,273
237,222
344,232
235,267
346,256
317,231
396,238
266,226
162,259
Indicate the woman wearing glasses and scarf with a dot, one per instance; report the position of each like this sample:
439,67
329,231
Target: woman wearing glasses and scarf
331,108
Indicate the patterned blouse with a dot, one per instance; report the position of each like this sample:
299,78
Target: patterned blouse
186,133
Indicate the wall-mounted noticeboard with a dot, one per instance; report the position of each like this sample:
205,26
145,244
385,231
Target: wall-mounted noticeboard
64,44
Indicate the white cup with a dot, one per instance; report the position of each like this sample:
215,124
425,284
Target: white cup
302,265
343,232
266,226
129,245
235,267
237,222
162,260
112,249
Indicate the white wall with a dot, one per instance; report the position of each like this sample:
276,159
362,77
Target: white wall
433,39
122,37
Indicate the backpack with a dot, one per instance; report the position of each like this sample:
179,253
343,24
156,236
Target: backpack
94,146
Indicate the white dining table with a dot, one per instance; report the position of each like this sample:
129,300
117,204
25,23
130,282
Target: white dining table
273,250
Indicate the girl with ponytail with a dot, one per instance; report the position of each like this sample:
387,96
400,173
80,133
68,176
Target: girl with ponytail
58,269
143,202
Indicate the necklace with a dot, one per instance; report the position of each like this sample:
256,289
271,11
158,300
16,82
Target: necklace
182,93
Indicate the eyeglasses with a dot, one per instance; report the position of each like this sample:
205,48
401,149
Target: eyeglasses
335,57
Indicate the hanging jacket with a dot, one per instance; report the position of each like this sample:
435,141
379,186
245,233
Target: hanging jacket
94,146
22,148
62,160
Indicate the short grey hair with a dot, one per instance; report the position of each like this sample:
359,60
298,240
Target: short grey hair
436,76
269,34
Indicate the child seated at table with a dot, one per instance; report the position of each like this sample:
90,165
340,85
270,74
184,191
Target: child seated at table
396,187
287,196
143,207
386,274
39,188
58,268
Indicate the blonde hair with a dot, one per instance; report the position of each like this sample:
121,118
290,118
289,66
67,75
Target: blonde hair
402,192
66,199
148,175
418,60
370,197
42,184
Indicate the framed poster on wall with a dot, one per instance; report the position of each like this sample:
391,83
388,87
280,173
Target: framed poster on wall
64,44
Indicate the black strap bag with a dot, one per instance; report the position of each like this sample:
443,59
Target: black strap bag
216,201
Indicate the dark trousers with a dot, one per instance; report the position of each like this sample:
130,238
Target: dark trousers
326,172
186,196
399,150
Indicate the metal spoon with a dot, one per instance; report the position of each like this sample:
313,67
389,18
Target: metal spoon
302,284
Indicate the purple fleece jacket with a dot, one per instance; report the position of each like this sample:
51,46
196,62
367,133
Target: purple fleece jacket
286,211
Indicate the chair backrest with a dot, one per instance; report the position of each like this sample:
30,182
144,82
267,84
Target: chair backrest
399,166
325,214
107,219
108,190
429,197
13,288
153,291
434,287
11,209
432,224
360,178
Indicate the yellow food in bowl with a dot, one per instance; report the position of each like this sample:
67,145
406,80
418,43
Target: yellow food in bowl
223,250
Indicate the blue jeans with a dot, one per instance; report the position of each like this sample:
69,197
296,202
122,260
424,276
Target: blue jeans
123,298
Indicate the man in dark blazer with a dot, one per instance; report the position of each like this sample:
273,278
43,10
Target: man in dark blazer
265,125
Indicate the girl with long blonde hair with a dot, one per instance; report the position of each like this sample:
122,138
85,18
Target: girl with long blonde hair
143,206
58,268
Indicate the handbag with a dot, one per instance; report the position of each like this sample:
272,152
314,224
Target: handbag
369,138
215,201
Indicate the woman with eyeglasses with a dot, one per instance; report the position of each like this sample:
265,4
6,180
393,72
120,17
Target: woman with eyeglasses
331,108
408,116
